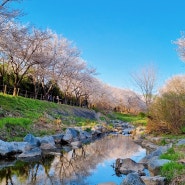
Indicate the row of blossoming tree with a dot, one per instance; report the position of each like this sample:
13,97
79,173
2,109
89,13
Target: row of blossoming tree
46,63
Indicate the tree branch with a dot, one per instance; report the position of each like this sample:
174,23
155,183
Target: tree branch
6,1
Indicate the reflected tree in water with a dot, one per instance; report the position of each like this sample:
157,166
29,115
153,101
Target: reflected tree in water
70,167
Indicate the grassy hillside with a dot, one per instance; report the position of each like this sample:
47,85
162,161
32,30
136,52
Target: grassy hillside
19,116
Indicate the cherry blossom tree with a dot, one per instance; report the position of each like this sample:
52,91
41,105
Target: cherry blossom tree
180,42
23,50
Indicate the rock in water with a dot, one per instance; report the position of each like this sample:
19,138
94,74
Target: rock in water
132,179
126,166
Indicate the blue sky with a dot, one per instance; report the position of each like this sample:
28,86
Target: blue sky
117,37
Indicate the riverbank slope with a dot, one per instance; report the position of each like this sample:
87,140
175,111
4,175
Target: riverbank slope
20,116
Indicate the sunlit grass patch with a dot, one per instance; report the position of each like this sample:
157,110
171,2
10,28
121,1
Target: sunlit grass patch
139,119
24,122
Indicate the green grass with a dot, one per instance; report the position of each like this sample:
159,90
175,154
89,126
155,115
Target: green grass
83,122
87,125
134,119
162,142
172,136
172,155
24,107
183,129
20,116
24,122
171,170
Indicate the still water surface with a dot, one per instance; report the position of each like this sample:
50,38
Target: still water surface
89,165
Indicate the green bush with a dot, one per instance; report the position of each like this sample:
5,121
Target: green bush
142,115
167,114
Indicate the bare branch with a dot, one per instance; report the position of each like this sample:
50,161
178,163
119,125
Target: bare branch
4,2
145,81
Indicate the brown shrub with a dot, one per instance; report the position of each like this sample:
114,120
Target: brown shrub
167,114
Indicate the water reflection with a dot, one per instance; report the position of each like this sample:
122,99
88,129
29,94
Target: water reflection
88,165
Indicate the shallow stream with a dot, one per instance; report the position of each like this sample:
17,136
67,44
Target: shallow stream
89,165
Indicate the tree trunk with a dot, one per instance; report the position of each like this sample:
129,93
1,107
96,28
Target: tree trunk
15,91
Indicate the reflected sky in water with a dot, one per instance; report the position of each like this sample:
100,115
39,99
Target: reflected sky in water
105,172
89,165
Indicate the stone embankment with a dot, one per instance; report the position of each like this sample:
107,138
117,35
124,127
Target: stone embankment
33,147
135,172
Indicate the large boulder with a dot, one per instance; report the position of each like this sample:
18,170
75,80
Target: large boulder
48,147
126,166
47,143
32,140
4,148
84,135
181,142
132,179
46,139
154,164
156,180
57,138
11,148
149,145
160,150
19,146
71,134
